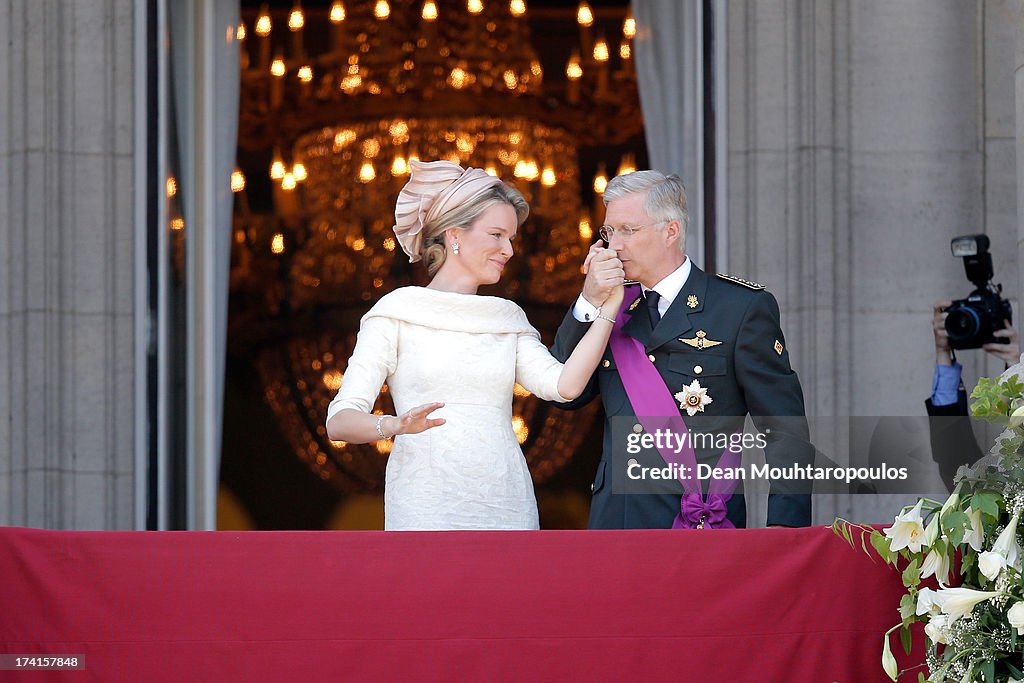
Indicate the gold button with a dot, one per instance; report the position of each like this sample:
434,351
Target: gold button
697,369
637,428
650,357
606,364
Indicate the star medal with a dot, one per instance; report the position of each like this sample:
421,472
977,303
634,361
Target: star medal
693,398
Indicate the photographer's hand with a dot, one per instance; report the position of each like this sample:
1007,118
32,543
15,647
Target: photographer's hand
1010,351
943,355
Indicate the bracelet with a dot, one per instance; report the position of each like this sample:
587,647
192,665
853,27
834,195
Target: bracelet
380,432
602,316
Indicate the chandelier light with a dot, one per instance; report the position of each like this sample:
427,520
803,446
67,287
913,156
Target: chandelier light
355,92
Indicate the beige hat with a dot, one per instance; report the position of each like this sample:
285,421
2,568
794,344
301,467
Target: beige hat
434,188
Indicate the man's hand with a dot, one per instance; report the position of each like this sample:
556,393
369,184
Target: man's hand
1010,351
943,354
604,273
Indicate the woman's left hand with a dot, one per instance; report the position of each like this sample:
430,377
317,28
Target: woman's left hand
417,420
612,304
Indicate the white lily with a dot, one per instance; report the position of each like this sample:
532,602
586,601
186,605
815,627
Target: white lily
931,532
1004,552
1015,615
907,531
926,602
935,629
1017,417
938,564
951,502
990,564
976,536
958,602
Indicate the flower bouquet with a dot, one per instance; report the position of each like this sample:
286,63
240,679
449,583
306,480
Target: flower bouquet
974,619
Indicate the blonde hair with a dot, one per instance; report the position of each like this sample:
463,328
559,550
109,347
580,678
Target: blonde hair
434,249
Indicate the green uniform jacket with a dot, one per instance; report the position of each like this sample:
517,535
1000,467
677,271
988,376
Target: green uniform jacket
748,372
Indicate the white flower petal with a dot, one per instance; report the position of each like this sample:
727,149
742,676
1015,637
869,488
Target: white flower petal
958,602
990,564
976,536
937,564
907,530
935,629
926,603
1015,615
1017,417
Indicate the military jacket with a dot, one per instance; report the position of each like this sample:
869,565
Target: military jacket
725,333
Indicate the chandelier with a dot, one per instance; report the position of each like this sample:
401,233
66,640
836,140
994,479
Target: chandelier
335,103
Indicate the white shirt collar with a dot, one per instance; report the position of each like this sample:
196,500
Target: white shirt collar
672,283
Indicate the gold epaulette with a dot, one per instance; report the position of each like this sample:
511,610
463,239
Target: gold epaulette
740,281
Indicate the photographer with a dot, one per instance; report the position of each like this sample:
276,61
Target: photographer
947,388
953,443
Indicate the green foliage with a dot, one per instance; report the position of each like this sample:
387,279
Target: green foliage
881,547
986,647
954,526
911,575
986,503
992,401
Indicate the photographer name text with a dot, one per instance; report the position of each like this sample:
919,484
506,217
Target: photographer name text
765,472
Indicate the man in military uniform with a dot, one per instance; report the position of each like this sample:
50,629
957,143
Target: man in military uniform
717,345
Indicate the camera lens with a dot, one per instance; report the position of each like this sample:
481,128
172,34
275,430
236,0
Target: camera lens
962,323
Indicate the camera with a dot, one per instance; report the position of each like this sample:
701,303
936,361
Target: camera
972,321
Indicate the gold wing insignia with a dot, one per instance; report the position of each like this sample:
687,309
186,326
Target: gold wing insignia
740,281
701,341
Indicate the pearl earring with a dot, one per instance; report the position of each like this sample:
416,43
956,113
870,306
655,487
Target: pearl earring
455,248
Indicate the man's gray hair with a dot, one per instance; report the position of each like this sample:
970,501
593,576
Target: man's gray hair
666,197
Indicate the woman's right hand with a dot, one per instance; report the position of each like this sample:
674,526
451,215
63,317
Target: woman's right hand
416,420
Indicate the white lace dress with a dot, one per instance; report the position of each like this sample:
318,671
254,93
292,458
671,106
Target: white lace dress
467,352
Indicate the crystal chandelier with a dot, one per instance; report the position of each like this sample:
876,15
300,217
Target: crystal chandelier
342,99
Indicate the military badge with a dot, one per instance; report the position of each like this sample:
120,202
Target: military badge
691,301
693,398
701,341
634,304
778,347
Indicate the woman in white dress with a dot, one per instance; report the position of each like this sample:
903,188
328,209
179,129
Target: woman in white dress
451,357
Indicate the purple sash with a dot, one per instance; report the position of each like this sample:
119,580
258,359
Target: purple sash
656,408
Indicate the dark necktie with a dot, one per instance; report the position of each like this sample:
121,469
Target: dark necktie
652,307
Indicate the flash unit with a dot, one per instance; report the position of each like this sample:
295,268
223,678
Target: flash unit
969,245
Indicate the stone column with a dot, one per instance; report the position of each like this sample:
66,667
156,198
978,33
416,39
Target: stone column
66,263
863,136
1017,7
